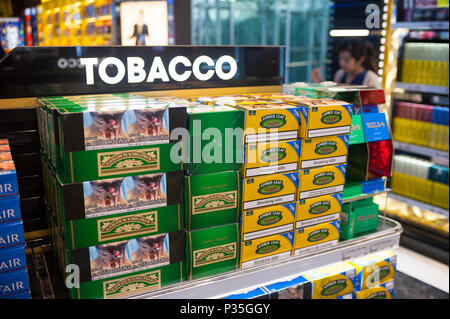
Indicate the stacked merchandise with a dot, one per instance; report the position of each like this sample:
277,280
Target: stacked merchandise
423,10
368,277
425,63
11,33
421,180
13,268
114,191
30,27
420,124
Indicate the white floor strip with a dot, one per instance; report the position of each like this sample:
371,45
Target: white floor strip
423,268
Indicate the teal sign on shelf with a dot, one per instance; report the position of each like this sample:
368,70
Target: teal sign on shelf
357,131
375,127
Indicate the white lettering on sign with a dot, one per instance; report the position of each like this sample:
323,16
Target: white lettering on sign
136,72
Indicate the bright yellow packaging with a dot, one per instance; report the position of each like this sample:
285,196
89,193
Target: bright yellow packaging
321,181
271,158
315,238
323,151
323,117
331,281
317,210
266,250
267,221
383,291
269,190
374,269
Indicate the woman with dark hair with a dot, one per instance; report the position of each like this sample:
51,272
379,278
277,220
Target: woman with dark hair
357,60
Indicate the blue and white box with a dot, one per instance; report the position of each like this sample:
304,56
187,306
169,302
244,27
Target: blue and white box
11,234
12,258
14,284
9,209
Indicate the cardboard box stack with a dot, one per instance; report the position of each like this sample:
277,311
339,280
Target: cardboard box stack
13,265
114,191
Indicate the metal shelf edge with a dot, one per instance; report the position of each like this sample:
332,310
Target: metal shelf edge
232,282
437,155
422,88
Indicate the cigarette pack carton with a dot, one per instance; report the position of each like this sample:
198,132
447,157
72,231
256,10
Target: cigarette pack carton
11,234
321,181
8,178
323,151
317,210
9,209
212,251
12,258
295,288
316,238
212,199
14,285
265,250
267,221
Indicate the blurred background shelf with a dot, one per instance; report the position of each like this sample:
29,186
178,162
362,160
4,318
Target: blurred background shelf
439,157
422,25
425,206
422,88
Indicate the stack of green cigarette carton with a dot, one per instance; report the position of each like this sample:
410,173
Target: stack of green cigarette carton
113,181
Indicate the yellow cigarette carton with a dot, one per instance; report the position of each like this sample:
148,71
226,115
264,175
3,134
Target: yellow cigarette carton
271,158
374,269
321,181
269,190
267,221
323,151
323,117
317,210
315,238
333,281
266,250
383,291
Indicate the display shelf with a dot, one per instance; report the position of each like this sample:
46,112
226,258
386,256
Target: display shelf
439,157
421,25
422,88
364,196
421,205
386,237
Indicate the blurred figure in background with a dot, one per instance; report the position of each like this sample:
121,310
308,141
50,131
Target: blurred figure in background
358,63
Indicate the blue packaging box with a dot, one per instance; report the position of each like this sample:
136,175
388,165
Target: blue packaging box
296,288
24,295
9,209
11,234
14,283
12,258
373,186
258,293
8,182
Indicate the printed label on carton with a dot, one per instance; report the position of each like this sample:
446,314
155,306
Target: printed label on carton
12,258
214,202
13,283
382,291
321,151
267,221
9,209
269,190
11,234
128,256
123,287
127,162
321,181
124,194
315,238
264,250
318,210
213,255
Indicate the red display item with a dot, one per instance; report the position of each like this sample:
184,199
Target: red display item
380,159
369,97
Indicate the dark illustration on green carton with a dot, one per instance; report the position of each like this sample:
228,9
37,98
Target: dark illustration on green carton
214,254
378,295
268,247
269,218
318,235
380,274
130,225
131,285
323,178
127,162
214,202
273,154
334,287
273,121
319,207
331,117
124,194
129,255
325,148
270,187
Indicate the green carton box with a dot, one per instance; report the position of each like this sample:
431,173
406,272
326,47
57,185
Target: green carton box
212,251
358,218
212,199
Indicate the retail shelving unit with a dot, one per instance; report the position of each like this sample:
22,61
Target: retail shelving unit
422,205
439,157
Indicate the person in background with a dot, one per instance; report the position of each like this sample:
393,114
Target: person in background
357,60
140,31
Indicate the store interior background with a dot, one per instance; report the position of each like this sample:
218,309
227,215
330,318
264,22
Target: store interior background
310,31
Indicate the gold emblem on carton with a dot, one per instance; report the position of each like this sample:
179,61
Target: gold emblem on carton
215,254
124,162
123,287
131,225
214,202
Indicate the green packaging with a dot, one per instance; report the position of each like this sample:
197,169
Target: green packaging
212,199
217,132
212,251
358,218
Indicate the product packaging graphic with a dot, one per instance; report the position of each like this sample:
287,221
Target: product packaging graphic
11,234
267,221
358,218
14,285
315,238
212,251
269,190
296,288
212,199
333,281
9,209
271,158
382,291
258,293
12,258
374,269
317,210
266,250
8,178
323,151
321,181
